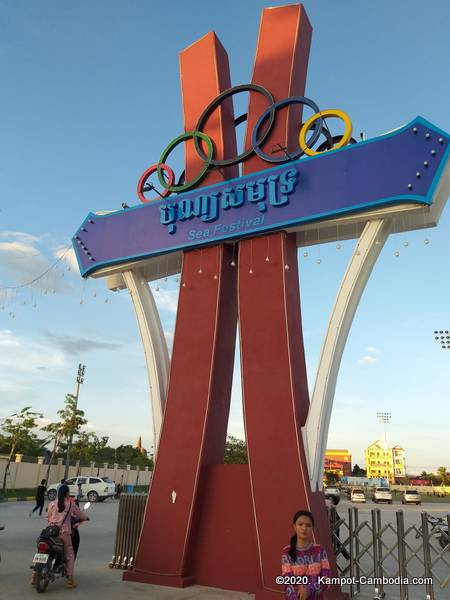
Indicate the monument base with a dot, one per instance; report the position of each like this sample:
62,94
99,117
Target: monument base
165,580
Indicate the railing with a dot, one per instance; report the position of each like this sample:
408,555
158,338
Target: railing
129,525
375,557
390,555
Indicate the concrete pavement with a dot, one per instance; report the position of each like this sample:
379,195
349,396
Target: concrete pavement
95,580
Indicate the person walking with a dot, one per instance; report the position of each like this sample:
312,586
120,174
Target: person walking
40,497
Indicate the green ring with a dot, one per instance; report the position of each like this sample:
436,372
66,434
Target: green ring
173,144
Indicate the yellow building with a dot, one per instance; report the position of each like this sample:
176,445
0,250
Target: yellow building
385,462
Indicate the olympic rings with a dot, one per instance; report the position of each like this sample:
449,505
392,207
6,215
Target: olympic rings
315,125
281,104
340,114
188,184
270,112
146,174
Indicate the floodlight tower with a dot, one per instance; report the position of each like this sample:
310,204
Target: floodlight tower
385,418
443,337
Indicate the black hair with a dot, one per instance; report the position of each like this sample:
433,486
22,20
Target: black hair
43,481
62,493
293,542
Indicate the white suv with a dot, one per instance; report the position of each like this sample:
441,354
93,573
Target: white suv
92,488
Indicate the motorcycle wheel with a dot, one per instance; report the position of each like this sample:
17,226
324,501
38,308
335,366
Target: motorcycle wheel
42,578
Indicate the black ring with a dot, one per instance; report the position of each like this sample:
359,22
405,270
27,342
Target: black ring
247,87
281,104
331,141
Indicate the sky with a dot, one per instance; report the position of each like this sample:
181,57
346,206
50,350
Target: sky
91,96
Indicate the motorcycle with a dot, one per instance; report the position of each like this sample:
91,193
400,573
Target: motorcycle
49,562
442,536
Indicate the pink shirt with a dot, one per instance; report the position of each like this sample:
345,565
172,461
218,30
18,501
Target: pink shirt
56,518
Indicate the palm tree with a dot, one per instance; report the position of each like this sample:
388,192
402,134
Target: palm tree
442,473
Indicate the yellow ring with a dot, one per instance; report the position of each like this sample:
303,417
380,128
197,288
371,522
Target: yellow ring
331,112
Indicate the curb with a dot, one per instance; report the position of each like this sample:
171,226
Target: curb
17,499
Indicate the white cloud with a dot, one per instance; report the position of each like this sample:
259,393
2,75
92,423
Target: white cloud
68,257
367,360
21,236
21,354
23,264
166,299
373,350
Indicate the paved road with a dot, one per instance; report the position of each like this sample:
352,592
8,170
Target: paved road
96,580
412,518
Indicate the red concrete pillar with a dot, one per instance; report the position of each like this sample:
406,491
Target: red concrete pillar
196,415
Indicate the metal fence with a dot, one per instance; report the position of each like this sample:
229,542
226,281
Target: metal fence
129,525
392,559
376,558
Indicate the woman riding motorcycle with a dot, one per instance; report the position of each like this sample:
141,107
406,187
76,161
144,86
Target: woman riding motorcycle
61,512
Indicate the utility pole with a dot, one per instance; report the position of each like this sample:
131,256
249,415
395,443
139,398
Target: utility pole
79,381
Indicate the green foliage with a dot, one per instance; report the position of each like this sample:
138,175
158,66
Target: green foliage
331,477
88,447
19,427
127,455
71,419
235,451
442,475
358,471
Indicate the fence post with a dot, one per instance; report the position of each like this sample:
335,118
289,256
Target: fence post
401,555
376,566
427,557
357,570
379,551
351,551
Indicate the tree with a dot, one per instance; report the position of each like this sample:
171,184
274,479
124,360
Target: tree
442,474
235,451
88,447
331,477
358,471
19,426
127,455
71,419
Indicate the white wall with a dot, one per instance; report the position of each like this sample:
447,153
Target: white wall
29,475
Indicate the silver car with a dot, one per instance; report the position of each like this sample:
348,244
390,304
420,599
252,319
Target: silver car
411,496
357,495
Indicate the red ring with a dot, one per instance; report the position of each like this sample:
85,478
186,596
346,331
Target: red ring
146,174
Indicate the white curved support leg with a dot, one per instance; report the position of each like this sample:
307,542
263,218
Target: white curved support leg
154,342
315,431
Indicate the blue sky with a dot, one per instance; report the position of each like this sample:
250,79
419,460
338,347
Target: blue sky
91,96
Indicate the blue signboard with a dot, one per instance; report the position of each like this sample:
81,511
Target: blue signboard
403,166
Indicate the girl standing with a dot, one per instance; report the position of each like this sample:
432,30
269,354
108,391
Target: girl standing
304,561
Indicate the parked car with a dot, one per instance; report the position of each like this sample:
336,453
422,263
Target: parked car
412,496
382,494
331,491
92,488
357,495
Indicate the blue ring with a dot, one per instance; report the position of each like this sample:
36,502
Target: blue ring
282,103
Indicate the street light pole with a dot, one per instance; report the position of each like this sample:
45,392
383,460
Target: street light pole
79,381
385,418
